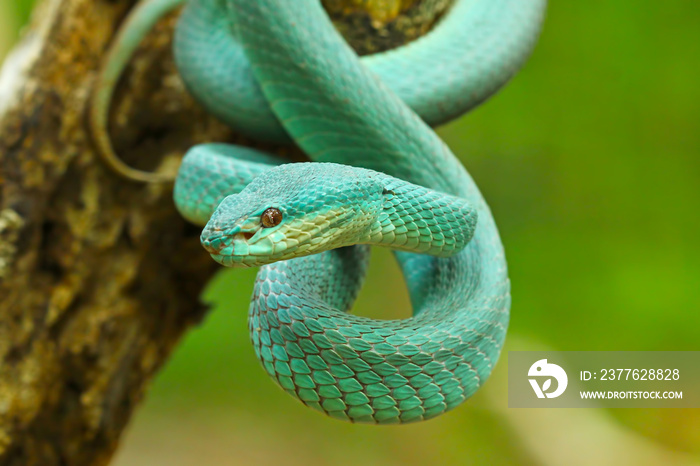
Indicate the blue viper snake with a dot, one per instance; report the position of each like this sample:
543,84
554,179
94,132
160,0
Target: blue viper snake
277,70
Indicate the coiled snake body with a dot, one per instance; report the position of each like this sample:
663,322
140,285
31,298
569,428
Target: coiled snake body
277,69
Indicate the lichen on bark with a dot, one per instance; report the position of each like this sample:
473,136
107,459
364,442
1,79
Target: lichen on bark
373,26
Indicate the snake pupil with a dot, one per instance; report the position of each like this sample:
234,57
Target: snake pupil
271,218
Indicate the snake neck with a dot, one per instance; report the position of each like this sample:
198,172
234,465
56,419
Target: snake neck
417,219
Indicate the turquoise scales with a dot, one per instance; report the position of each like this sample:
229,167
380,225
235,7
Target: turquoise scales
337,111
326,206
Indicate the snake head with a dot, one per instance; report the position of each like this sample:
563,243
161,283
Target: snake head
300,209
293,210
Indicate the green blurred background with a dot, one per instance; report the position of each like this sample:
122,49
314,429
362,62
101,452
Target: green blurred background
590,160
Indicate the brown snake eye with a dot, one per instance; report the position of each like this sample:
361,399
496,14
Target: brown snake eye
271,218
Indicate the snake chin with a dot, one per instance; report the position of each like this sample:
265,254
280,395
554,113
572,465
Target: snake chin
230,261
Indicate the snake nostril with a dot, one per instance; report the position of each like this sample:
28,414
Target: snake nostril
247,235
212,245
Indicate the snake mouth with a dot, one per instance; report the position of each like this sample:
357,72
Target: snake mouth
239,249
228,244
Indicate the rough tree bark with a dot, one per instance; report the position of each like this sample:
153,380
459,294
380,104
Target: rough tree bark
99,277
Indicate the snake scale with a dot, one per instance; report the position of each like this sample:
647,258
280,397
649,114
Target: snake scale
277,70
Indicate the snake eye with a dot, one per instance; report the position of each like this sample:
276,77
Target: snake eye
271,218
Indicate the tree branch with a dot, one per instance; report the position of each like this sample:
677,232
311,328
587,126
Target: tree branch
99,277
